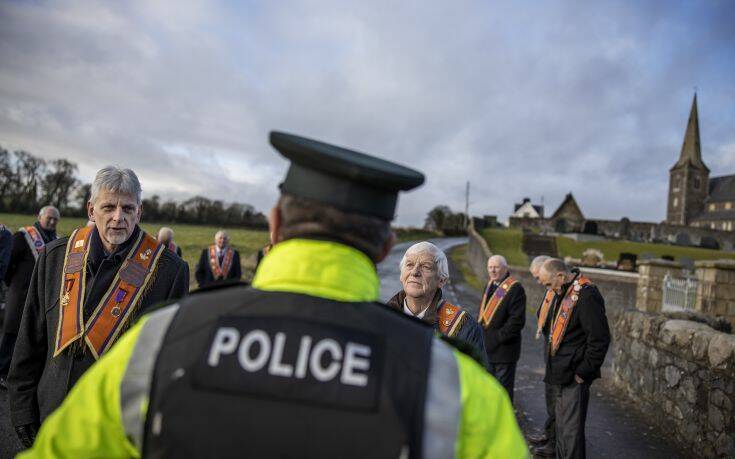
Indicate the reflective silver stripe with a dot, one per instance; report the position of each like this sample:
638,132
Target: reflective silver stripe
443,408
136,383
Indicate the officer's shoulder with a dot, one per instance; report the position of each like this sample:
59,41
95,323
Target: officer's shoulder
232,286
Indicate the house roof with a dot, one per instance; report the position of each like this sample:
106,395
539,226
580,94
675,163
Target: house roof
721,189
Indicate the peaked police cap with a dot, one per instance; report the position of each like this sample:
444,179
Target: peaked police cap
346,179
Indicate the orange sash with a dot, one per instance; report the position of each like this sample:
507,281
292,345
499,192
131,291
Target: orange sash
559,326
34,240
489,307
544,312
450,318
109,317
220,271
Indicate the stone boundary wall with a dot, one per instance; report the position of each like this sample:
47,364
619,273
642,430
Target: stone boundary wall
682,375
477,253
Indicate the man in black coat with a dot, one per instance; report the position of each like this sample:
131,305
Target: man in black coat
166,237
579,337
110,274
28,244
502,317
218,262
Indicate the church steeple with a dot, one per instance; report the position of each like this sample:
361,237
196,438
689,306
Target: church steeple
691,149
689,177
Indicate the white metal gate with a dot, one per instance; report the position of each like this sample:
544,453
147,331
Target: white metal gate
679,294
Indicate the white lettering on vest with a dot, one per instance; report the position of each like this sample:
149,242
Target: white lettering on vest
225,342
276,367
264,350
357,357
323,360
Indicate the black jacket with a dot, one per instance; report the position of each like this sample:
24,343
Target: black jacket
38,382
6,245
585,343
203,272
503,335
18,276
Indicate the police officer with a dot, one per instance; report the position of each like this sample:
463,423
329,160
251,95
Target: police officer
305,363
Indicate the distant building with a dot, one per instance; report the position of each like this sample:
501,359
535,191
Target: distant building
700,212
695,199
528,210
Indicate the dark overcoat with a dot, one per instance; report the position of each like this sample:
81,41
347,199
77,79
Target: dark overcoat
203,272
18,277
503,335
38,382
586,340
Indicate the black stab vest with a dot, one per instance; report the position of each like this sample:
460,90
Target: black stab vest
249,373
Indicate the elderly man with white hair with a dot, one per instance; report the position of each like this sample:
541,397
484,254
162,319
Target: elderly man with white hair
86,291
502,317
219,262
166,238
27,244
424,271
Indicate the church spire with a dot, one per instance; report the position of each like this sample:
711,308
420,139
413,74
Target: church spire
691,151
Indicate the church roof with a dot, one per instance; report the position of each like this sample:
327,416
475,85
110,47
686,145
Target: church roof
721,188
691,149
570,205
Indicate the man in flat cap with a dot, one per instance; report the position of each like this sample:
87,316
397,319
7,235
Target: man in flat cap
218,262
303,364
29,242
424,271
86,291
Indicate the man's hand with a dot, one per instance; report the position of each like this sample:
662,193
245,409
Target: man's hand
578,380
27,434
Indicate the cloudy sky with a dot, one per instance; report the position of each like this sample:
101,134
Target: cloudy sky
520,98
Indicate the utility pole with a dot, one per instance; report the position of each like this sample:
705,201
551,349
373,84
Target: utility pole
467,206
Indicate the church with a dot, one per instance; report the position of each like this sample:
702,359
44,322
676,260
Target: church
695,198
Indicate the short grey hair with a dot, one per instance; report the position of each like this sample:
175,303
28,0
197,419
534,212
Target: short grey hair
116,180
440,259
555,266
165,231
223,233
539,261
500,258
44,209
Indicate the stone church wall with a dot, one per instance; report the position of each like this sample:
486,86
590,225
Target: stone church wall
681,373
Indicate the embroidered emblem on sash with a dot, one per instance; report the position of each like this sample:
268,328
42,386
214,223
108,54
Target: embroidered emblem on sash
450,318
568,303
113,311
488,308
34,240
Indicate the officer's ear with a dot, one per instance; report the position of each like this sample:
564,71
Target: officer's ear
387,245
274,224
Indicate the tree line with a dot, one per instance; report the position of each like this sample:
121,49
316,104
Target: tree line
28,183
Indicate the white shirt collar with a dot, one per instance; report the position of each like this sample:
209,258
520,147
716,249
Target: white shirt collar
408,312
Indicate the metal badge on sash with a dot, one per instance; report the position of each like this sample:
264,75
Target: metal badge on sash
568,303
449,318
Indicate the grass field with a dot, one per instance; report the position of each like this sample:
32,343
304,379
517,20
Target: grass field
507,242
458,255
191,238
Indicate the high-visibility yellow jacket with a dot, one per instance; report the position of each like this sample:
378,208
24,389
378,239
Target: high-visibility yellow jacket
90,421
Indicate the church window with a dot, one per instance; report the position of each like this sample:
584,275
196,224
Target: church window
728,205
729,226
697,182
676,202
712,225
712,207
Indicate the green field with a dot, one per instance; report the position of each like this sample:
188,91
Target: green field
191,238
458,255
507,242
